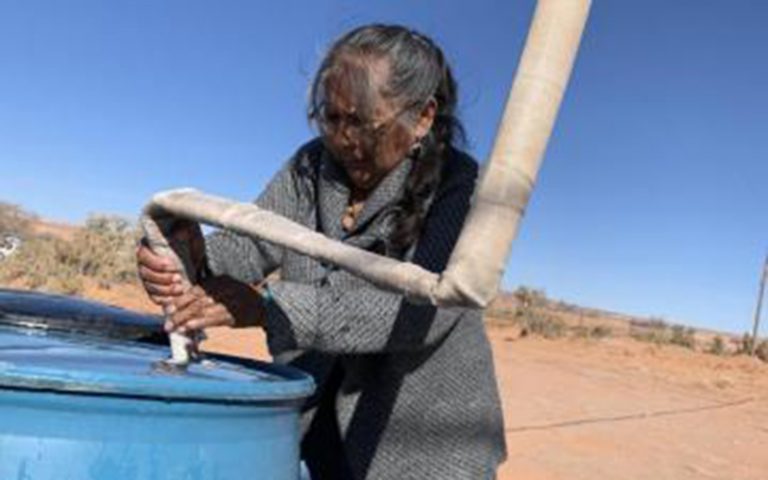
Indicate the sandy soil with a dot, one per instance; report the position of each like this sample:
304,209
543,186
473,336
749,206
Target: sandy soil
620,409
610,409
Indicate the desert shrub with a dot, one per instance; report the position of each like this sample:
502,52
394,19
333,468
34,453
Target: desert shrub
531,317
716,346
43,264
657,336
600,331
14,220
762,351
745,345
528,297
541,324
594,332
653,330
683,336
658,331
102,250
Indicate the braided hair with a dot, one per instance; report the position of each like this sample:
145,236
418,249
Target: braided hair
418,74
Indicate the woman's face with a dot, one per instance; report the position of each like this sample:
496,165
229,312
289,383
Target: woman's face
369,136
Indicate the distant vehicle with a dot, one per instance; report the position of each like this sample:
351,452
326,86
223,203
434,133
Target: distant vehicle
8,246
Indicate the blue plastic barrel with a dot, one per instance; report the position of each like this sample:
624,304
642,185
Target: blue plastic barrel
77,407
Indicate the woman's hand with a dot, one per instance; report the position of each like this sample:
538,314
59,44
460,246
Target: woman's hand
218,301
161,277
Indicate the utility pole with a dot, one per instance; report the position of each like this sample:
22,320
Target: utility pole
760,293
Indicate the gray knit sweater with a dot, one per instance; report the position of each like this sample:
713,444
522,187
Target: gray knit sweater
405,391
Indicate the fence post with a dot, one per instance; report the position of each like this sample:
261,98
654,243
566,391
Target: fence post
760,292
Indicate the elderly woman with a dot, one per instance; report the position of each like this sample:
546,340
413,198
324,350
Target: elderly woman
405,391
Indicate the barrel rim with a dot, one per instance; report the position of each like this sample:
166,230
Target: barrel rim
291,384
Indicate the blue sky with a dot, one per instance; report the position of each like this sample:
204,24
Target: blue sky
652,198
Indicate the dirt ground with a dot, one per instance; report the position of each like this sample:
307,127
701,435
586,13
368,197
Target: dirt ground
620,409
613,408
617,409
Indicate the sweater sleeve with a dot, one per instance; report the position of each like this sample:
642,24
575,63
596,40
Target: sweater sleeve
365,320
331,317
251,260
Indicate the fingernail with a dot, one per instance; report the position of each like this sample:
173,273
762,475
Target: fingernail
168,326
177,278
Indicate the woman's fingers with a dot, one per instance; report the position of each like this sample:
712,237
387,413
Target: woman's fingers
173,290
188,306
215,315
152,261
184,305
196,310
159,278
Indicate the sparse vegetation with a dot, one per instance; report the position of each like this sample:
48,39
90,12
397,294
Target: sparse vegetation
659,332
595,332
745,345
543,325
716,346
532,318
14,220
683,336
762,351
102,251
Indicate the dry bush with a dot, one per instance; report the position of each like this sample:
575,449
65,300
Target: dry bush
105,250
762,351
745,345
541,324
530,315
14,220
652,331
683,336
102,250
658,331
716,346
596,332
528,297
43,264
